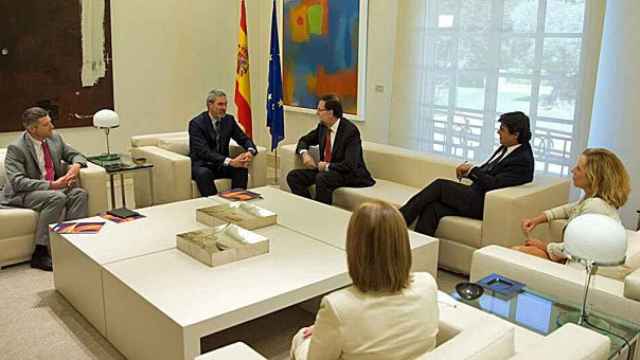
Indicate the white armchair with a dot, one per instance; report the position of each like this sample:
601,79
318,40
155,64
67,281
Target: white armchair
612,291
18,226
169,154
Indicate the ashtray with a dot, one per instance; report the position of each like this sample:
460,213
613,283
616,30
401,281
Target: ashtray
469,290
139,161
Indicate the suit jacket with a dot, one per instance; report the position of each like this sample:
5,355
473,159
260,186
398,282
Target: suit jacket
355,325
22,170
346,153
206,147
514,169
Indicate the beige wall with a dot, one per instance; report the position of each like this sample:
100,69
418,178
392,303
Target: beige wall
167,54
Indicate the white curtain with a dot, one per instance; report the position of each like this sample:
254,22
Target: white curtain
616,111
459,64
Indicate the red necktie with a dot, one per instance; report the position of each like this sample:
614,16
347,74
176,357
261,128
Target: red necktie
48,163
327,146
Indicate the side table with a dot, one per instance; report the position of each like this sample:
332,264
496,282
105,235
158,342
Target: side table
120,166
541,313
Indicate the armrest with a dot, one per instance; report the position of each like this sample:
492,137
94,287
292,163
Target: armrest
564,283
93,179
171,176
569,342
632,285
505,208
288,161
492,340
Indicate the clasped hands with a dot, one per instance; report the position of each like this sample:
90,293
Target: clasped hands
309,163
462,170
68,180
242,161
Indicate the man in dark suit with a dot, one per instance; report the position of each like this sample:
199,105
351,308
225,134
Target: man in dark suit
341,162
36,179
510,165
209,136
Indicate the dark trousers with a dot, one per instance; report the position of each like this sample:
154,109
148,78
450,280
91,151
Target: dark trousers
204,177
326,182
439,199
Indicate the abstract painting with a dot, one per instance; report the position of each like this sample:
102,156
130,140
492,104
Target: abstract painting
321,51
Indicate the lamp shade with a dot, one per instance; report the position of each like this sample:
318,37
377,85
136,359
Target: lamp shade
106,118
596,238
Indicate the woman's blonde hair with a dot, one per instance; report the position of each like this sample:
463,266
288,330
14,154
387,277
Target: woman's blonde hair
608,179
378,250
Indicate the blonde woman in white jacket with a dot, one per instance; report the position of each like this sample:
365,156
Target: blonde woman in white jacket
388,313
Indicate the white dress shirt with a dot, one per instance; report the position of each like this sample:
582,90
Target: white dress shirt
334,130
37,145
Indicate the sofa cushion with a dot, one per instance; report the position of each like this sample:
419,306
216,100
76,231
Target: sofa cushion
632,262
3,152
481,341
154,139
17,221
394,193
461,229
178,145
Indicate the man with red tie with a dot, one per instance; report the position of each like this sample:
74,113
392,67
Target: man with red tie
341,161
36,179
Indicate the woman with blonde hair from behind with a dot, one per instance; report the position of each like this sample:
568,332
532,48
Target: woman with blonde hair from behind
605,182
388,312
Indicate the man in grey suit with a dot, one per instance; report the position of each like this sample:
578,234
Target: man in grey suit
36,179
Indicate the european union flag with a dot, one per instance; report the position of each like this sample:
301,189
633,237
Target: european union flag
275,111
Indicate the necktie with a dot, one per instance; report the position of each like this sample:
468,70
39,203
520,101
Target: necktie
216,128
491,165
48,163
327,146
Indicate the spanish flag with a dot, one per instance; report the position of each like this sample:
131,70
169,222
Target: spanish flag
242,96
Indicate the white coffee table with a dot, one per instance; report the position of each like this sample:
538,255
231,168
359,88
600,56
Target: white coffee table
329,224
152,301
79,259
158,306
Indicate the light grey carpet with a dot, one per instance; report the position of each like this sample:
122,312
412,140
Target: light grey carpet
36,322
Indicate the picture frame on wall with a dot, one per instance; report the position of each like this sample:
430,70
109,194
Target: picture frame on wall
324,52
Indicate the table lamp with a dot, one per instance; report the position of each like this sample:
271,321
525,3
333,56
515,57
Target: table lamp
107,119
594,240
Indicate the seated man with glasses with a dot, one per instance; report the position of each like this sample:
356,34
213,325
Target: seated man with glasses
510,165
341,161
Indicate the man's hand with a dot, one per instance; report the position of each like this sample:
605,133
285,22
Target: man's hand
462,170
323,166
247,156
62,183
240,161
308,161
307,332
72,174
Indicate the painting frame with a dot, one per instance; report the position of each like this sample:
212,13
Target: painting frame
359,115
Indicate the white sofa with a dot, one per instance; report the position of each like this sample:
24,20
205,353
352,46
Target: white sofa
612,291
466,333
18,226
492,341
169,154
401,173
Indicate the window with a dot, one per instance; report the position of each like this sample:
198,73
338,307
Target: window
480,58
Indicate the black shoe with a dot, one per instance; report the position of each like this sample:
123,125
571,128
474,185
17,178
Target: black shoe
41,261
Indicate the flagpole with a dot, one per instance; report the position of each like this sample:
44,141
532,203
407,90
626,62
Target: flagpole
277,167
